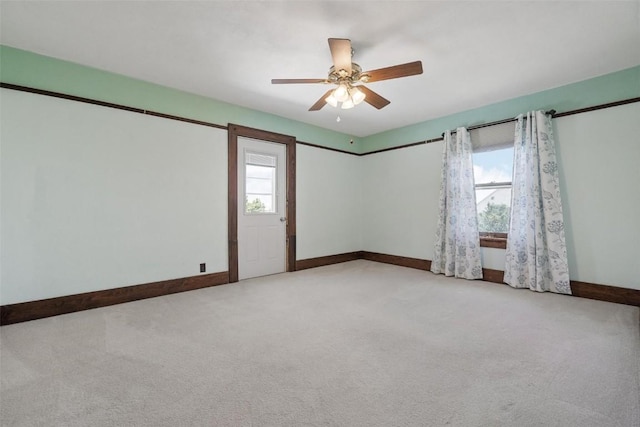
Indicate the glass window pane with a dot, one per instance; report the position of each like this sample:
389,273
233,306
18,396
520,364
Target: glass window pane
260,183
493,203
494,208
493,166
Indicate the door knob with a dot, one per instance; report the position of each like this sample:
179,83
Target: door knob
283,219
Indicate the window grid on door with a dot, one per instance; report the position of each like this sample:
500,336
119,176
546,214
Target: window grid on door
260,183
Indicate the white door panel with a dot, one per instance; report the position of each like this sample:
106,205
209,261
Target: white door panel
261,208
251,243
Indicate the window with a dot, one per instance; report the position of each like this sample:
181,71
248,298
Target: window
259,183
493,171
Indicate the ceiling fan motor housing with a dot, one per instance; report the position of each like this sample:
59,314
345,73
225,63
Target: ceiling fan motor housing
342,76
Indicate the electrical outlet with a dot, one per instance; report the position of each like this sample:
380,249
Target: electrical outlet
203,267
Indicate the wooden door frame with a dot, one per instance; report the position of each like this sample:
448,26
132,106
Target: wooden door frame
234,131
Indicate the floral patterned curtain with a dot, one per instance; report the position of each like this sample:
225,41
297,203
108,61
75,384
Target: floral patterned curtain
457,247
536,256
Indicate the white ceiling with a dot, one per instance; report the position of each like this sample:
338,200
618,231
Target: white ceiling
474,53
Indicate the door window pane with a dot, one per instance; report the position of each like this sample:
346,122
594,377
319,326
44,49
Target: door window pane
259,183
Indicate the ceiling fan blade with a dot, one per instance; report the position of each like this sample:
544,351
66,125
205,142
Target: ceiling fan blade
373,98
320,102
341,54
287,81
402,70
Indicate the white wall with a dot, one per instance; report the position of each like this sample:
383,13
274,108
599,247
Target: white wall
599,157
96,198
401,189
599,160
400,200
492,258
328,201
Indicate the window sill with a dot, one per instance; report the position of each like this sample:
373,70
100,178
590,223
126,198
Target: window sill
493,240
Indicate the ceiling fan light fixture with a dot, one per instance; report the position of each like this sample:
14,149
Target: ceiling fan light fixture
357,96
331,100
341,94
347,104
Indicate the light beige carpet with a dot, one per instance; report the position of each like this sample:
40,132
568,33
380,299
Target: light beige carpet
354,344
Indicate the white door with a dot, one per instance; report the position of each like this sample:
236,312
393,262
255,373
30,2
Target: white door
261,208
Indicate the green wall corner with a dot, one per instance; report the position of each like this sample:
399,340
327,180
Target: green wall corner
604,89
29,69
24,68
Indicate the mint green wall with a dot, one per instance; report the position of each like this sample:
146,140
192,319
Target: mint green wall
29,69
612,87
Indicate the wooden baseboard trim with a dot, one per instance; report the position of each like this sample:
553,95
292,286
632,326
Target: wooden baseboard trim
31,310
605,293
583,289
304,264
403,261
22,312
493,276
579,289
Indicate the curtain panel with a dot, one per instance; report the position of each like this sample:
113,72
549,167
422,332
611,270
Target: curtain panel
536,255
457,246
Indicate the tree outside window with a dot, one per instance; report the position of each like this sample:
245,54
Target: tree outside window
255,206
494,218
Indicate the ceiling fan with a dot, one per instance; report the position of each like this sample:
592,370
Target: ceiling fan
350,79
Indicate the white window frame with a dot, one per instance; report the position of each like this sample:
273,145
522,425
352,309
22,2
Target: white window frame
492,138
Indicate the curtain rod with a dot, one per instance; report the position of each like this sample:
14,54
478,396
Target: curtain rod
499,122
554,116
